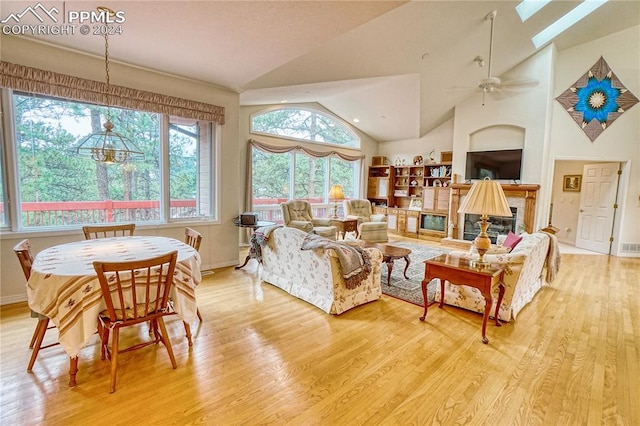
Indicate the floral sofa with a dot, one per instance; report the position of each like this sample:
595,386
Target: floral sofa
315,275
525,274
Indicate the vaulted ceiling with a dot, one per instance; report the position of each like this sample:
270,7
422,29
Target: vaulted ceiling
396,66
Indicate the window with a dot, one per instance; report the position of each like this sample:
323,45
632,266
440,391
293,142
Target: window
310,178
190,177
279,177
304,124
345,173
58,187
271,177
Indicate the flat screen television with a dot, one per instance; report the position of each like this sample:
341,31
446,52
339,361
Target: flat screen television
504,164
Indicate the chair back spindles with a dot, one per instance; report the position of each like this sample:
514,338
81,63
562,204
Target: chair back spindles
94,232
193,238
23,251
140,289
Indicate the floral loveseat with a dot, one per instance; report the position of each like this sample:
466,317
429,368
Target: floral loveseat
524,276
315,276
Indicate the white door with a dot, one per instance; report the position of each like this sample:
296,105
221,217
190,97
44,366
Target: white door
598,195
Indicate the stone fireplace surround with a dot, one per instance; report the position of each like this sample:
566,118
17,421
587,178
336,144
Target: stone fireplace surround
522,197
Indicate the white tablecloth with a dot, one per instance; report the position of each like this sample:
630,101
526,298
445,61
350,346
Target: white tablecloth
64,286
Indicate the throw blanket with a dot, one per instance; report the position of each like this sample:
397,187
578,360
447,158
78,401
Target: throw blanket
553,258
355,263
258,239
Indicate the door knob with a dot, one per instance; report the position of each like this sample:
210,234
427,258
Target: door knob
581,211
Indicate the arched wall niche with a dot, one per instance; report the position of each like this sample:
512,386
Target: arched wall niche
502,136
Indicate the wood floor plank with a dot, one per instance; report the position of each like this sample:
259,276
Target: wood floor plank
263,357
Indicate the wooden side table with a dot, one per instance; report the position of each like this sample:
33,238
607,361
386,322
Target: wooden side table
252,227
344,225
459,271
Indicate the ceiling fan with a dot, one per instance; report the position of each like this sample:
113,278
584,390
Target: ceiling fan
493,84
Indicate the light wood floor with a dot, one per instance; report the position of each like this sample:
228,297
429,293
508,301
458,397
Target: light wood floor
263,357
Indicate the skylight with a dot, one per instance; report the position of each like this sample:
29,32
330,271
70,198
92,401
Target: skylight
573,16
528,8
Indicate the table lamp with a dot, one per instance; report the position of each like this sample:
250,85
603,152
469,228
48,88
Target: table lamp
336,194
485,198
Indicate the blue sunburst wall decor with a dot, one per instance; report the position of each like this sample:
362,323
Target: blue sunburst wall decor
597,99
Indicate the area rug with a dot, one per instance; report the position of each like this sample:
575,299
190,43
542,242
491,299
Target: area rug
411,290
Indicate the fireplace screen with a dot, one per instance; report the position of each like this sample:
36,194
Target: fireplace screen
498,225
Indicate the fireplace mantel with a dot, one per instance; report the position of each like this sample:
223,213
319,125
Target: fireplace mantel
527,191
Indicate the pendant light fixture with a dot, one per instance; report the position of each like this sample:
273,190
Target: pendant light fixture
108,146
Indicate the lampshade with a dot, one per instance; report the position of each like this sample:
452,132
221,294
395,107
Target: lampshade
486,198
108,146
336,192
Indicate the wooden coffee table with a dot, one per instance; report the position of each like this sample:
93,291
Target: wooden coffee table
391,253
458,271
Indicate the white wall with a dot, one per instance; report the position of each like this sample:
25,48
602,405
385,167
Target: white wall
526,109
220,242
621,141
551,134
438,140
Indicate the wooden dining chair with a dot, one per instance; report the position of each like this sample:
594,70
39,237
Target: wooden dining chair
134,292
193,238
93,232
23,251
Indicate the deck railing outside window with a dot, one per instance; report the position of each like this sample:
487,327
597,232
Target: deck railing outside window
35,214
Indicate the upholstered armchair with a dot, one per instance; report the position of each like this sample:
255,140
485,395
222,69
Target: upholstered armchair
371,227
297,214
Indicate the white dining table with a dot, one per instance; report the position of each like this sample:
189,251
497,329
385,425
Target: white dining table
64,286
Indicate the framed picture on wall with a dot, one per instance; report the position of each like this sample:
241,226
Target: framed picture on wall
572,183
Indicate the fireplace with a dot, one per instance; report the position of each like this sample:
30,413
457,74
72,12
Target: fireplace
498,225
522,198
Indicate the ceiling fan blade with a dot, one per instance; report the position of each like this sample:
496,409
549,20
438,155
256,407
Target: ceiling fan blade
461,89
518,84
500,94
492,85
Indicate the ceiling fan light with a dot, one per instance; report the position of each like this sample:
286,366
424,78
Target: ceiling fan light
489,84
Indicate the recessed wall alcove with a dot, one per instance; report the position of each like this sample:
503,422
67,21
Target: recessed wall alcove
500,136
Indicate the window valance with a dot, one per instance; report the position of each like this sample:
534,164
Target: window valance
42,82
318,154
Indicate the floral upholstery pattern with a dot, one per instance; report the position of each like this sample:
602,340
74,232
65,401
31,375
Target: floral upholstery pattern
314,275
524,276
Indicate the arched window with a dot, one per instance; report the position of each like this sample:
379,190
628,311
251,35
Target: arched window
304,124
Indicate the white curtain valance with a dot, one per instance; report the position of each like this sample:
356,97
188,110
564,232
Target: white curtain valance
49,83
276,149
